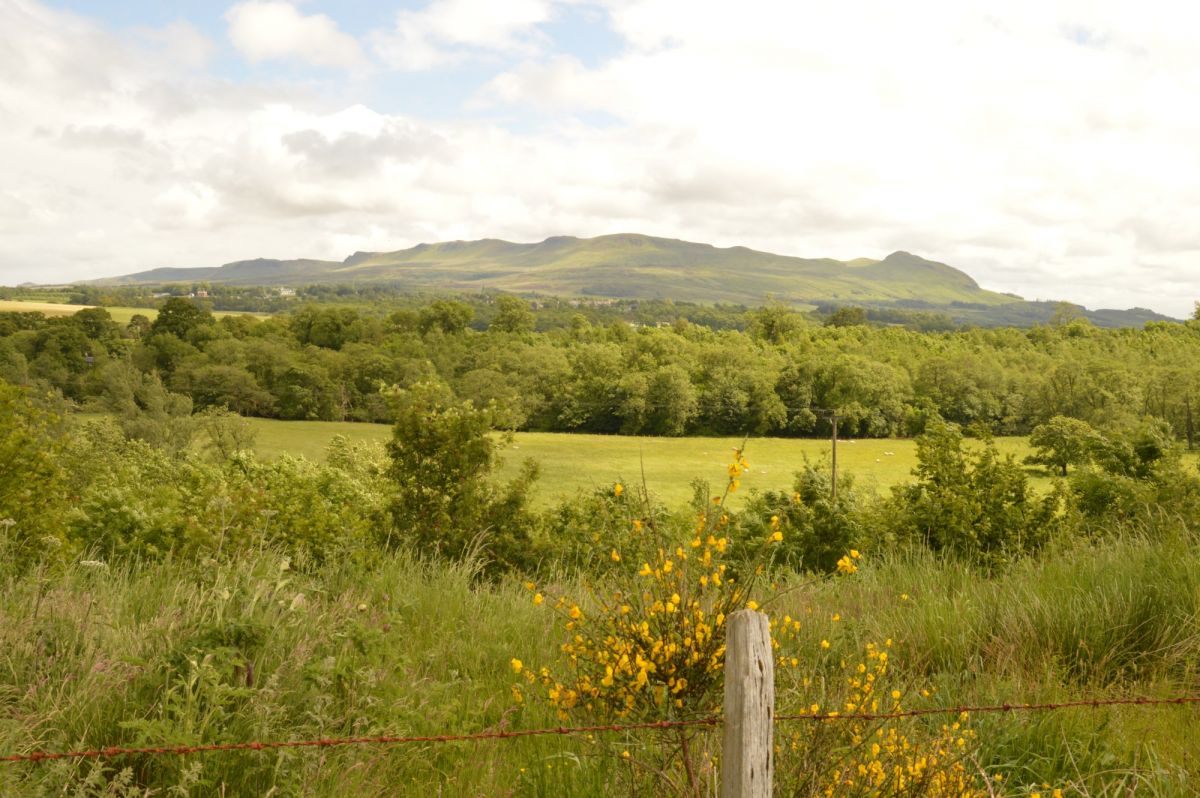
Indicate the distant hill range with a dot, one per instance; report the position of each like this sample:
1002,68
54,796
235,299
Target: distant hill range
631,266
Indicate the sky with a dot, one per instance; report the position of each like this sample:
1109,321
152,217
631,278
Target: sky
1049,149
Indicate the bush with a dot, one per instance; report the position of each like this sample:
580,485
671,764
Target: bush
973,503
817,529
446,502
31,480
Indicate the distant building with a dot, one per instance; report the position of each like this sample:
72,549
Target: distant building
287,291
202,294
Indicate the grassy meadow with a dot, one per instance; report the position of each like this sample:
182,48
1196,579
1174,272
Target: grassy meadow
121,315
189,652
572,462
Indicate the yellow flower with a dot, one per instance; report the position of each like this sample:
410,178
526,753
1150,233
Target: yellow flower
751,604
854,555
618,489
624,754
537,599
824,644
846,566
517,665
575,612
776,537
616,557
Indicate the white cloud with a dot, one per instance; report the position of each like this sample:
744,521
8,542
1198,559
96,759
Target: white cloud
447,31
267,30
1048,151
183,42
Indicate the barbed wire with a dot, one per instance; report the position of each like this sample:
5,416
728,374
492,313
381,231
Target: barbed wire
1093,703
329,742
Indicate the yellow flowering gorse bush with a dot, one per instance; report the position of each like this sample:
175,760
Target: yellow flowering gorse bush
651,644
859,756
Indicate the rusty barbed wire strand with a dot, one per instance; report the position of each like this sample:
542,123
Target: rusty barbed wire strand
1093,703
328,742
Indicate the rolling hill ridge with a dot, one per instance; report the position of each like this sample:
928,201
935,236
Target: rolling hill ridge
634,266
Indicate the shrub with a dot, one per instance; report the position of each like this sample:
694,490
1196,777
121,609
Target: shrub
446,502
974,503
31,480
817,529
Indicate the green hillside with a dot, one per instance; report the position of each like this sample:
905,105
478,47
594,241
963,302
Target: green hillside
616,266
632,266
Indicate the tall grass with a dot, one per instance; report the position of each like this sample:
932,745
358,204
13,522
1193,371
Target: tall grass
185,652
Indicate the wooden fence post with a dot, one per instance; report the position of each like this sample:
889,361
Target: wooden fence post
748,755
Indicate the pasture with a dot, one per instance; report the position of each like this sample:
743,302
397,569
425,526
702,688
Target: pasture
572,462
121,315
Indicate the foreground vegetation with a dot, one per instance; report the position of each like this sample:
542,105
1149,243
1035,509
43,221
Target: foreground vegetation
162,584
182,652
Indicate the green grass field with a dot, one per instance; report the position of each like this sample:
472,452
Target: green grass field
159,654
571,462
121,315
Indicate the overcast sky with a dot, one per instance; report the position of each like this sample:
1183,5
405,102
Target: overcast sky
1049,149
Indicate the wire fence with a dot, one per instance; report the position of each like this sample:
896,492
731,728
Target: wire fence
710,721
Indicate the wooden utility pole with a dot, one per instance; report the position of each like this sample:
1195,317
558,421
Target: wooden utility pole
833,482
748,753
832,415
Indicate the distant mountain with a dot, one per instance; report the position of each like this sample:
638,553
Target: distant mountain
645,267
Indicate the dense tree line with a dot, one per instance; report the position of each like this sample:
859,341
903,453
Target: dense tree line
330,362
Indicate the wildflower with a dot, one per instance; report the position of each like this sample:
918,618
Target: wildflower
751,604
824,644
618,489
575,612
776,537
537,599
517,665
616,557
846,565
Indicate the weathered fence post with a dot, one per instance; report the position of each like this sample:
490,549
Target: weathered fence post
748,755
